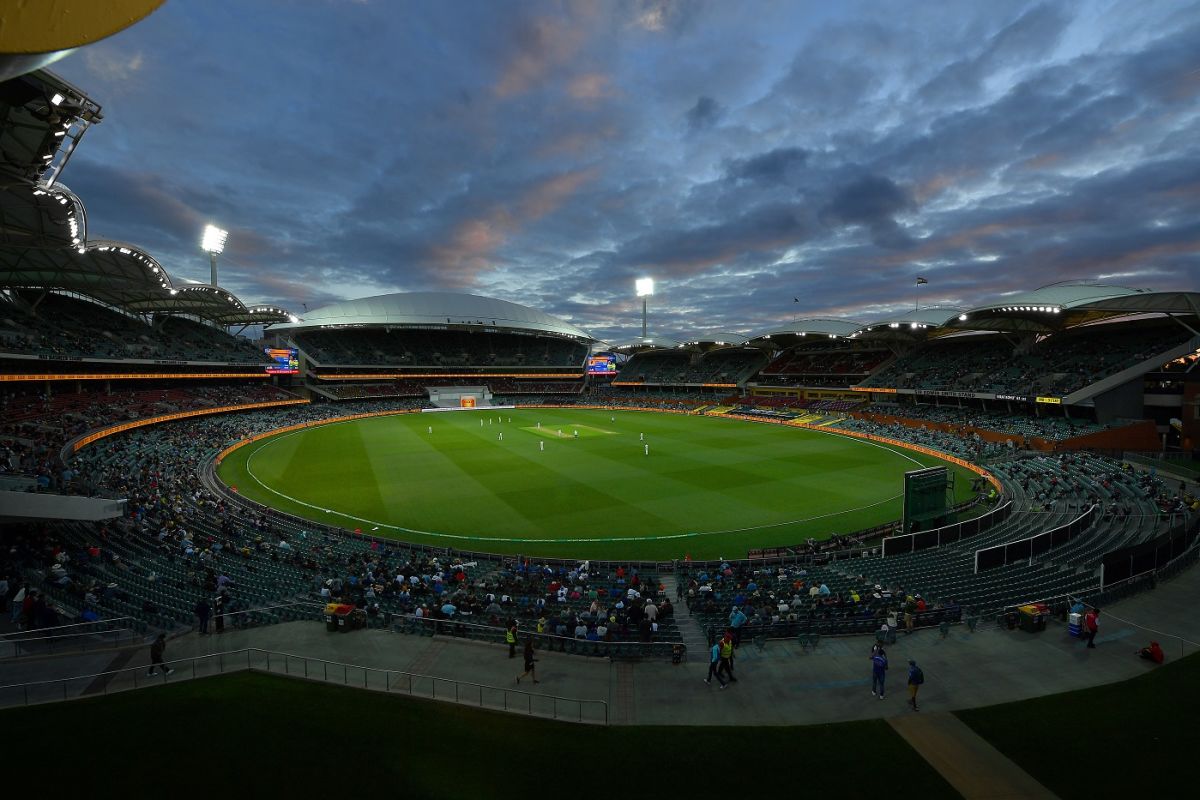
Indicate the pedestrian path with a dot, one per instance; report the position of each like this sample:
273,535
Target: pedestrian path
781,683
966,760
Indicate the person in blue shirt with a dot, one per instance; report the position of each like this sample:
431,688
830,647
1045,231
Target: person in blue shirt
879,665
915,678
736,620
714,661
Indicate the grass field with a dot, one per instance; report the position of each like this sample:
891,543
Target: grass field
1125,739
254,735
709,487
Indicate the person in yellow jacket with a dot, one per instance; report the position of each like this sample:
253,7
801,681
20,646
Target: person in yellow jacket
511,637
726,664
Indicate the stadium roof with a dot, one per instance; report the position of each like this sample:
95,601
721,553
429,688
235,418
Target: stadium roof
42,119
435,309
916,324
801,329
1065,305
649,343
715,341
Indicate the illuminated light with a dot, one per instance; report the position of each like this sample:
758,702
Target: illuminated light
214,239
57,99
1057,309
124,250
174,291
913,326
60,133
962,317
644,286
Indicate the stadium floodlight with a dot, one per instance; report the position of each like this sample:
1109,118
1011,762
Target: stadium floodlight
962,317
645,288
57,99
213,243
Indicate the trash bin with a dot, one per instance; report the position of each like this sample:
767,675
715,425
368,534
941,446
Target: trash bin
335,616
1074,626
1033,617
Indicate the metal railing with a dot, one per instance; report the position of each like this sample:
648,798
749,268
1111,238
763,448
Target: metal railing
76,627
541,641
80,642
254,659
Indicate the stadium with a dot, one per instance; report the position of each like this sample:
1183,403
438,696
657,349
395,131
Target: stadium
396,492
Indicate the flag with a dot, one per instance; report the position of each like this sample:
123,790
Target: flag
921,280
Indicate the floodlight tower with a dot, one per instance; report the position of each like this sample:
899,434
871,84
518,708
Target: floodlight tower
213,243
645,288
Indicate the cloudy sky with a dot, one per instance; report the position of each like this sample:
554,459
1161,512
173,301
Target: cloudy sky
743,154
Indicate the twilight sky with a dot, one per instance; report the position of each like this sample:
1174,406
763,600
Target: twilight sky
741,153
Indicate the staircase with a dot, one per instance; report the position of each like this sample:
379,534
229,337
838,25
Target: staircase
693,635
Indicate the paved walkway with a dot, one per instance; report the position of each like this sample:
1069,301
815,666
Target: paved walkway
973,767
779,684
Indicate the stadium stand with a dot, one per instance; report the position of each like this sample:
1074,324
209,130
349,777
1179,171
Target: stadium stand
1061,364
54,325
406,348
725,366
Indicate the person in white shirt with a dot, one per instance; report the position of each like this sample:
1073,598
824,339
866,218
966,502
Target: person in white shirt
651,611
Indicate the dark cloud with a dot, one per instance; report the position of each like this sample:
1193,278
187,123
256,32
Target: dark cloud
872,201
704,114
774,166
534,152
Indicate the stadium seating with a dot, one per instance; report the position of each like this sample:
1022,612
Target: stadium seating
68,327
727,366
1049,428
435,349
821,365
1061,364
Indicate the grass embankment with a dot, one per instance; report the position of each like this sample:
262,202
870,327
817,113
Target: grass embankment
267,736
1135,738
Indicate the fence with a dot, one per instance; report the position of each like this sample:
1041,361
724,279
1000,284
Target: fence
1140,559
542,641
253,659
1026,549
947,534
76,637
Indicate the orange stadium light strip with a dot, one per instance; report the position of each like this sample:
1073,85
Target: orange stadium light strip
390,375
880,389
201,412
119,376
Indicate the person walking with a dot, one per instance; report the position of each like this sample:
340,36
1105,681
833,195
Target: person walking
726,665
1091,624
915,678
157,650
530,661
714,661
203,611
736,620
879,665
510,636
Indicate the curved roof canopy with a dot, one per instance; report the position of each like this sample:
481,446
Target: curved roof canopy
803,330
921,323
42,118
439,309
1065,305
649,343
715,341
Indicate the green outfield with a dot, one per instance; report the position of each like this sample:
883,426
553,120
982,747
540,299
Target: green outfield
709,487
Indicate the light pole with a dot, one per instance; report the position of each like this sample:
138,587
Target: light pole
645,288
213,243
